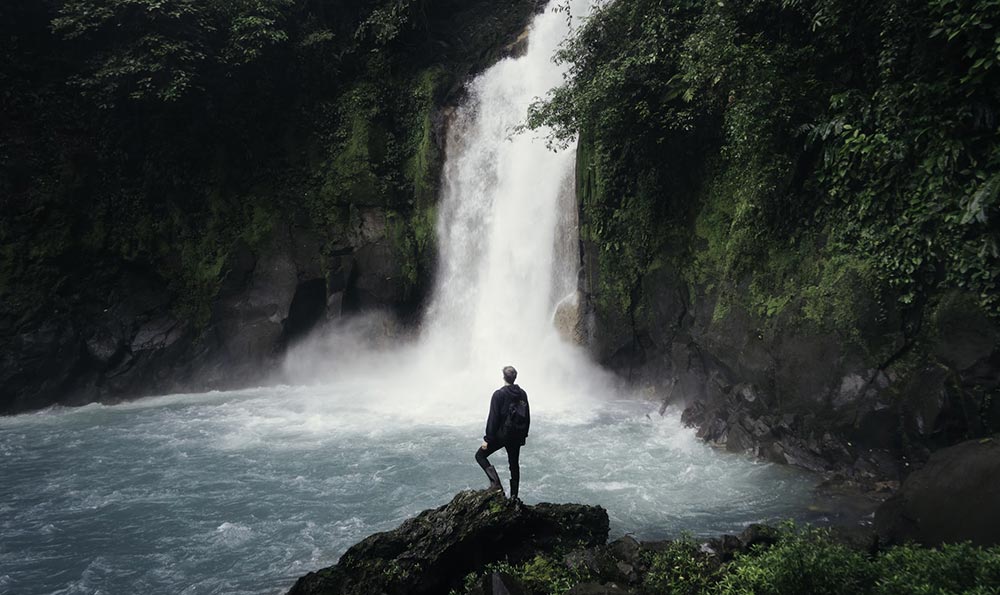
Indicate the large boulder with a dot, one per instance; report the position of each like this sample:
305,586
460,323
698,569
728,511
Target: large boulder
434,551
953,498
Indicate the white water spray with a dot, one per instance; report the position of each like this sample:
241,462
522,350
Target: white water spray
504,199
507,237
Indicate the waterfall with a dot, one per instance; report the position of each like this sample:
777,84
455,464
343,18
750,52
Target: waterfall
507,218
508,257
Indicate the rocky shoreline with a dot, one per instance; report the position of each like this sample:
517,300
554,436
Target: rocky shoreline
483,544
434,551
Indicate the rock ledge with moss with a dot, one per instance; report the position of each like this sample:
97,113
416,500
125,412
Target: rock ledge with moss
434,551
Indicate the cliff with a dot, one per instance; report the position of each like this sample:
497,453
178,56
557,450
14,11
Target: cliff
187,188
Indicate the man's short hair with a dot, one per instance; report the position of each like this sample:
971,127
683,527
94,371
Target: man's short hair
509,374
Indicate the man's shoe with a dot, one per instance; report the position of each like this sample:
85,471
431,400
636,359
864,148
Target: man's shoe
513,488
495,484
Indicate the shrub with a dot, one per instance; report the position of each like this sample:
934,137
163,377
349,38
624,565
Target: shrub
803,562
681,569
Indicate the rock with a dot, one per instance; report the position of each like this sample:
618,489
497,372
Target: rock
791,451
157,334
516,48
502,583
102,345
434,551
596,561
738,439
568,319
757,535
498,583
724,548
597,589
626,549
952,498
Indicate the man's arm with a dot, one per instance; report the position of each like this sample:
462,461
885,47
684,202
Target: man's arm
527,416
493,421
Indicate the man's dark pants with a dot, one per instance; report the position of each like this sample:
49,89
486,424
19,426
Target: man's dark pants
513,456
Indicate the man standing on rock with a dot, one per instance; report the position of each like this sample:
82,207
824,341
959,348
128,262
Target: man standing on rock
506,427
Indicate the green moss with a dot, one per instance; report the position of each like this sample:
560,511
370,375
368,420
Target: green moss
804,280
352,174
260,225
423,164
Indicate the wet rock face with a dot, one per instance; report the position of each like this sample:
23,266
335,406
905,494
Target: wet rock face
434,551
124,339
954,497
864,404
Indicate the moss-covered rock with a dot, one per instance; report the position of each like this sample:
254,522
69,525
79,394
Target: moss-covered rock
434,551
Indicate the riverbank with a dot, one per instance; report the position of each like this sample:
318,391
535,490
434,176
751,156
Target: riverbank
483,544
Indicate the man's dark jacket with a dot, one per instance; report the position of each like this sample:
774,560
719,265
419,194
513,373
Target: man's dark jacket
499,407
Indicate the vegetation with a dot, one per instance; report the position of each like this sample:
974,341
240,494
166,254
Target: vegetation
788,146
541,574
804,561
161,135
808,562
680,568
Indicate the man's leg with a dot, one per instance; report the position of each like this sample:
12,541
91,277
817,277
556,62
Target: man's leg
513,458
491,472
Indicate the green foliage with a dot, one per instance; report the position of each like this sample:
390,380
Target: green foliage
680,569
804,562
164,49
952,569
542,574
385,23
160,135
255,27
809,562
869,130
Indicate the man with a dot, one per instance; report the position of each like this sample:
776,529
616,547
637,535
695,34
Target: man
506,427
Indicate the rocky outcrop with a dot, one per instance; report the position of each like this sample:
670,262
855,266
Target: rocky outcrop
482,544
863,405
453,549
131,342
434,551
952,498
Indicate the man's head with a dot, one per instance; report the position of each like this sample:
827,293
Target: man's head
509,374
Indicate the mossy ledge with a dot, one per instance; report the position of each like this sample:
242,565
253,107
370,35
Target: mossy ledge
482,544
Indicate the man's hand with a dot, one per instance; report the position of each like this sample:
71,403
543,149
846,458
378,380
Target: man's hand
484,446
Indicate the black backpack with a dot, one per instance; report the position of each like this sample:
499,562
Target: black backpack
515,421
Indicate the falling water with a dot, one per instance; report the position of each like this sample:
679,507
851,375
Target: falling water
508,256
500,277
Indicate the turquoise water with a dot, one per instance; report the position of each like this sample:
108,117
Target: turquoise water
242,492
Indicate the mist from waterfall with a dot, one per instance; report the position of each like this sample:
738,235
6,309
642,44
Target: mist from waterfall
508,255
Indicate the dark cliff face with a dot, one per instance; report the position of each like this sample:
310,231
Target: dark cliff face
160,236
813,398
832,379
